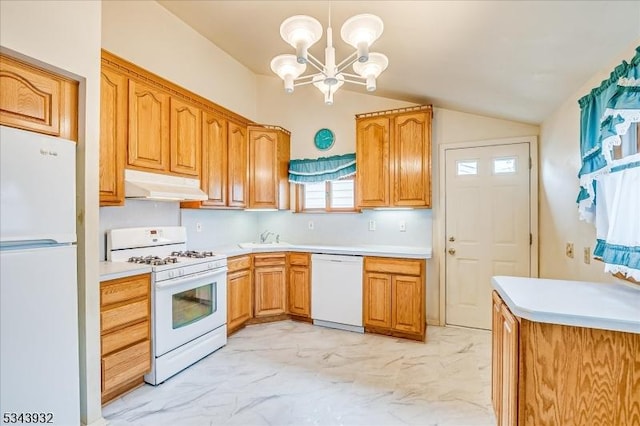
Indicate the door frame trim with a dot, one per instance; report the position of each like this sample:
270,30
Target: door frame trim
440,219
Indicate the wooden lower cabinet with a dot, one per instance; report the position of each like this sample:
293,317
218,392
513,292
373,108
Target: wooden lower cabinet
239,293
270,283
299,285
394,301
551,374
125,333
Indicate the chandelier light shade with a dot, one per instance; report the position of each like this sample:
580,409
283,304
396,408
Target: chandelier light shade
371,69
288,68
361,31
302,32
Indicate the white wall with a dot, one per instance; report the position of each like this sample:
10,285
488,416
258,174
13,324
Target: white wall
560,163
65,36
151,37
219,228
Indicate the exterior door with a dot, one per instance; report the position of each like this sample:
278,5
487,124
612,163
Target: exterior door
487,226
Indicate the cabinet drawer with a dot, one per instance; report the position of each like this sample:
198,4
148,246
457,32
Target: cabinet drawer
126,365
124,337
238,263
111,318
301,259
269,259
124,289
393,266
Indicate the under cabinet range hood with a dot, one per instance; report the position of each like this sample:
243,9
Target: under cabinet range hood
155,186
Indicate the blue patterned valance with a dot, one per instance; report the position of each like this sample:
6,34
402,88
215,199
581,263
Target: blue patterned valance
322,169
610,187
605,115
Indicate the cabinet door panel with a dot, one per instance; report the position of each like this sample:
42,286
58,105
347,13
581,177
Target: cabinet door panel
238,165
37,100
29,96
406,304
263,171
372,150
270,291
113,136
412,160
496,356
185,138
299,291
377,300
148,127
214,159
510,347
239,303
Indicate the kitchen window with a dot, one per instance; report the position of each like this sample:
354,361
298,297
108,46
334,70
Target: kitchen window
329,196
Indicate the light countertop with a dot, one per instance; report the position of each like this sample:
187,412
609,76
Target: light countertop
577,303
361,250
114,270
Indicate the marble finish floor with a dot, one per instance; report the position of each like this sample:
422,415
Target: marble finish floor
290,373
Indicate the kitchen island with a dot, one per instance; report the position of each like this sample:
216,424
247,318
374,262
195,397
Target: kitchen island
565,352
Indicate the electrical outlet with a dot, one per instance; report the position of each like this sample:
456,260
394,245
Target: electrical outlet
372,225
587,255
403,226
198,227
569,250
310,225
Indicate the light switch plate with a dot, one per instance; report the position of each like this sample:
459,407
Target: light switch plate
587,255
372,225
403,226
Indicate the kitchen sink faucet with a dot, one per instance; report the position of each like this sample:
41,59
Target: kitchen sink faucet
264,236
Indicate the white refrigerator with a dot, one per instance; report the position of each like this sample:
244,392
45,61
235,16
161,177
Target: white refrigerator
39,366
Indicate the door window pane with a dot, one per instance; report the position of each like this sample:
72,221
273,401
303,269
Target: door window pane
466,167
504,165
192,305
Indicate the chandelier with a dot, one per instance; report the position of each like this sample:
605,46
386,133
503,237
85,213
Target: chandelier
303,31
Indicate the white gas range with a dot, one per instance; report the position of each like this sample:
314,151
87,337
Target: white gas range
189,297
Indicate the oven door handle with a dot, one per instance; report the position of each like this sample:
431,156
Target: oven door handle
197,277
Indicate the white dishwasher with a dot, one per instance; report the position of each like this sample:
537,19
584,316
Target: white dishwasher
336,291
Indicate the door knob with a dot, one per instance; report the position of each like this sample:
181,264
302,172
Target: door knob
452,251
452,239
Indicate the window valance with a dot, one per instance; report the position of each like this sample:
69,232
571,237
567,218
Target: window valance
322,169
610,187
605,115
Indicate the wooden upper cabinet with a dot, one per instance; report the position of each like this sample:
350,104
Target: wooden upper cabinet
225,157
113,136
237,165
393,151
37,100
412,160
186,138
268,168
148,128
372,148
214,159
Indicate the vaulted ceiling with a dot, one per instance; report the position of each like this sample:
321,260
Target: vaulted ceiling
511,59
